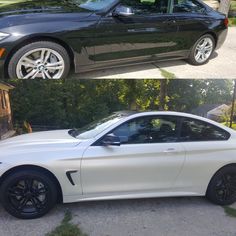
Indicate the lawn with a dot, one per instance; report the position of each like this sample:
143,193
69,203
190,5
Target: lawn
8,2
232,21
227,124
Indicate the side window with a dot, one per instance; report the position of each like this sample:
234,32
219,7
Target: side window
160,129
190,6
144,7
195,130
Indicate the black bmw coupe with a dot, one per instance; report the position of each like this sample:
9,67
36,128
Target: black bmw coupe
48,38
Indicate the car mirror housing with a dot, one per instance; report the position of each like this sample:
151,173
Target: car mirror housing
111,140
123,11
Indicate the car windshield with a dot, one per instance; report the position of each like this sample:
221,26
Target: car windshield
94,5
95,128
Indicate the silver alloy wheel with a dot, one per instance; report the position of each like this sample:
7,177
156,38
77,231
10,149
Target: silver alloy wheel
42,63
203,50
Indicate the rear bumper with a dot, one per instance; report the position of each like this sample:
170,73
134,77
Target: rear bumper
221,38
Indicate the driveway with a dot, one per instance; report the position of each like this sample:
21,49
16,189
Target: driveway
221,66
150,217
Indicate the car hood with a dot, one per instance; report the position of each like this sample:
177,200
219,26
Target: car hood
26,11
59,138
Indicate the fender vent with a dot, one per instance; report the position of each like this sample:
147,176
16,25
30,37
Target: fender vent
68,174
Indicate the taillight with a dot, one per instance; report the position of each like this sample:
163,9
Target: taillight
226,22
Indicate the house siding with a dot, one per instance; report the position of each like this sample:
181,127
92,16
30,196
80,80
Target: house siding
5,110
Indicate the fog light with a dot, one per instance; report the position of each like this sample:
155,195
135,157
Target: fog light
2,50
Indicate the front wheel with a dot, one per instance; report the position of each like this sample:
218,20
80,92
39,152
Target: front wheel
222,187
202,50
44,59
28,194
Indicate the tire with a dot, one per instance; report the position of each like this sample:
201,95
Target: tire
43,67
25,202
222,187
193,53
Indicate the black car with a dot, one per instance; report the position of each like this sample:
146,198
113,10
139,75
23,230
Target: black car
47,38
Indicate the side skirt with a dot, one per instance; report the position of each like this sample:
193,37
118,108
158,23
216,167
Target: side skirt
70,199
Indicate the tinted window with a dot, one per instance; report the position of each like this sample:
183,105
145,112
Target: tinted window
187,6
148,130
94,5
195,130
141,7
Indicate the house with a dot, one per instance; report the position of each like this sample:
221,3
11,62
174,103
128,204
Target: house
6,127
214,112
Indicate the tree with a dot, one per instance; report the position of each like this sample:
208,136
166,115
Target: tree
163,94
75,103
224,6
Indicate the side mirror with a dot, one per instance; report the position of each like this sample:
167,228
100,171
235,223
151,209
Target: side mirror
111,140
123,11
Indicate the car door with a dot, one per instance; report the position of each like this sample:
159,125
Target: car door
207,150
148,160
191,20
145,34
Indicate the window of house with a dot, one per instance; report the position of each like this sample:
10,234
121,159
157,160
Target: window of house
158,129
195,130
192,6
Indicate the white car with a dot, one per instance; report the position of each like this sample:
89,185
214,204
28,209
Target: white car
126,155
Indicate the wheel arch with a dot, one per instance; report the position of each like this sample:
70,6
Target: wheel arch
37,168
213,34
36,39
225,166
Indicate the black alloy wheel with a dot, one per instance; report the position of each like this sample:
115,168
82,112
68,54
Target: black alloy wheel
28,194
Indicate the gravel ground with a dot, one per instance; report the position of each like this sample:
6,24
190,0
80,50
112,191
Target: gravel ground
149,217
221,66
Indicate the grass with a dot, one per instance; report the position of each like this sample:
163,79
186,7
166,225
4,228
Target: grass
66,228
167,74
227,124
230,211
232,21
7,2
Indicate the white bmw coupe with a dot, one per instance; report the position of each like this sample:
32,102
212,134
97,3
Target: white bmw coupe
126,155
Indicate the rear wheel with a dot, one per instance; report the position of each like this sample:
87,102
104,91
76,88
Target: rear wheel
222,188
45,60
202,50
28,194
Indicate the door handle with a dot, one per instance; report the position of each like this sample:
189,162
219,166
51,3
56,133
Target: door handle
169,21
169,150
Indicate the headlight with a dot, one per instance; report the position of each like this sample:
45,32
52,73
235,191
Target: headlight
3,35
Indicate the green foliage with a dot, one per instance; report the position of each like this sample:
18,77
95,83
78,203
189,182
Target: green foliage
230,211
233,5
166,74
66,228
232,21
75,103
227,124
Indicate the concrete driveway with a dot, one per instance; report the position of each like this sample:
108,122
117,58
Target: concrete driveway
221,66
149,217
